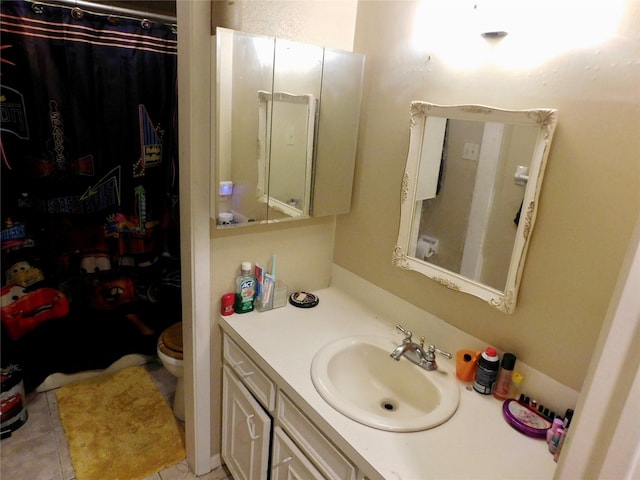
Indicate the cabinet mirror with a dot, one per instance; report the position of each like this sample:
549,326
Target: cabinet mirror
469,196
287,117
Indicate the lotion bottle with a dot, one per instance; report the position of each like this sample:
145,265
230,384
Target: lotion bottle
505,373
516,384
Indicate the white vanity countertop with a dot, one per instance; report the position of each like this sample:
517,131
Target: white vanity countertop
475,443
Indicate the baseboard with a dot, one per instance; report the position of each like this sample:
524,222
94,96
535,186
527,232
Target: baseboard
216,461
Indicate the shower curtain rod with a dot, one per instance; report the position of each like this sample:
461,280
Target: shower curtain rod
102,9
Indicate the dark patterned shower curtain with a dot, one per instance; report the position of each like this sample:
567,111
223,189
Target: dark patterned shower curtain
90,259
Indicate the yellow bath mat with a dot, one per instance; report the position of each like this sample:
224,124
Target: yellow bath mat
119,426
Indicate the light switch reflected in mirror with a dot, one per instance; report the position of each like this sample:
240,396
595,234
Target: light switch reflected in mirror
469,196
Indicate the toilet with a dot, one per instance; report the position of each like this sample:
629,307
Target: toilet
170,353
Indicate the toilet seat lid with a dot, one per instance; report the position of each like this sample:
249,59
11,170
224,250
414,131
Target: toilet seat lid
170,342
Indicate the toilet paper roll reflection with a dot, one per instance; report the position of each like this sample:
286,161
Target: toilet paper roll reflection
424,249
466,363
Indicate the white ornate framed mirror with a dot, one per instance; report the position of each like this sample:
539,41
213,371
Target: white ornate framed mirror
470,194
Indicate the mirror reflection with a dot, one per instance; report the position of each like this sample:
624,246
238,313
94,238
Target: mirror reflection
469,196
468,224
286,117
245,67
286,133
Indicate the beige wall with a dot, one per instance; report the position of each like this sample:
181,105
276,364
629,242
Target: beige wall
589,202
304,248
590,197
328,23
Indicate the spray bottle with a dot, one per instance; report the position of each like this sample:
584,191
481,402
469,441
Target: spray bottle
486,372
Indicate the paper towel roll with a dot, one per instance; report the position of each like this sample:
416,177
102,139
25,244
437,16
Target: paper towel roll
225,218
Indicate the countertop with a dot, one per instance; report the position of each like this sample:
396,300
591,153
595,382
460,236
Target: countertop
475,443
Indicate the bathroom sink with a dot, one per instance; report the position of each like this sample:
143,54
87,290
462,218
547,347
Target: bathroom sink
357,377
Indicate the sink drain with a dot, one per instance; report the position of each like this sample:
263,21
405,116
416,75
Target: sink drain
388,406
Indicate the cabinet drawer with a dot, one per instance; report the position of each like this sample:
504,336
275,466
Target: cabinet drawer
251,376
288,461
331,462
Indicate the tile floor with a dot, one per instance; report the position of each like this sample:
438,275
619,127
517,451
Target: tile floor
38,450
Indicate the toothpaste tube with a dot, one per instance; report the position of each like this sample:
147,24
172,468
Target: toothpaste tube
267,291
258,273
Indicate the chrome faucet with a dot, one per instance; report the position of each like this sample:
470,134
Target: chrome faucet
407,344
415,352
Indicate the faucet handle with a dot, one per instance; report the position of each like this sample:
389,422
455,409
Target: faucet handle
434,349
407,333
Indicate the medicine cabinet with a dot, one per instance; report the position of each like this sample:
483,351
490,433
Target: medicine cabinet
470,194
286,116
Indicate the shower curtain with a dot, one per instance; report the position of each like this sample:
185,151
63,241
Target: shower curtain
90,240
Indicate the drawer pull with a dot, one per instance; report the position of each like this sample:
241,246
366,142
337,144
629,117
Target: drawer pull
238,369
252,428
286,460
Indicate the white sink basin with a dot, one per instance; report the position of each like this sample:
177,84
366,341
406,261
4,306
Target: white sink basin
357,377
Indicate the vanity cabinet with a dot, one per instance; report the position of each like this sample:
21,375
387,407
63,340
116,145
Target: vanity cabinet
262,426
278,348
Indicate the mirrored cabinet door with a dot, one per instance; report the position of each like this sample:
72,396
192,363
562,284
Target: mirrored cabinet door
248,62
342,77
297,86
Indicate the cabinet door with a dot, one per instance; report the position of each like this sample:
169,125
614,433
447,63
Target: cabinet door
327,458
288,462
245,431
